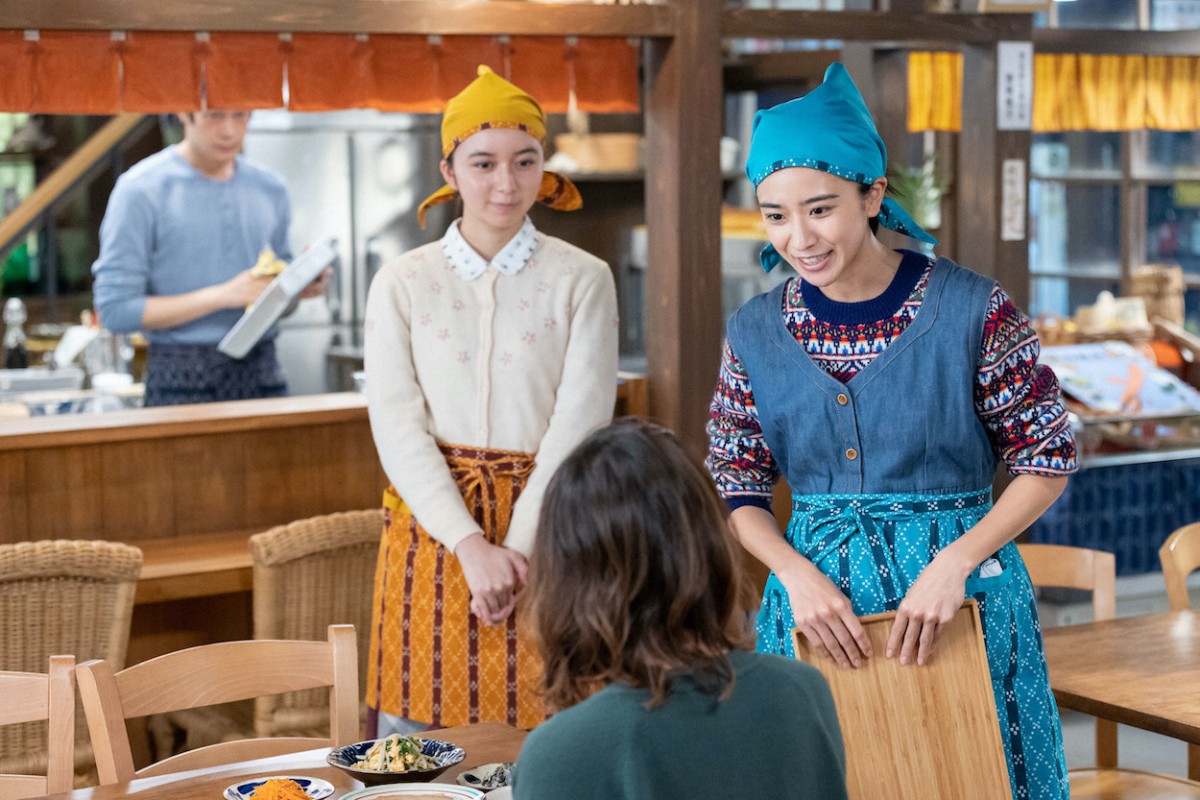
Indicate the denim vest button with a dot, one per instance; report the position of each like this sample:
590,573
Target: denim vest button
842,399
851,454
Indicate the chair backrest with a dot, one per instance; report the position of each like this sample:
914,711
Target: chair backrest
217,673
47,697
309,575
1180,555
930,731
61,596
1075,568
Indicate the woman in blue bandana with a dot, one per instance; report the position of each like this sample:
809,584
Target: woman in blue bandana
884,386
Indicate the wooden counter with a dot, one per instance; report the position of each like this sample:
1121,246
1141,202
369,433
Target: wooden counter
151,474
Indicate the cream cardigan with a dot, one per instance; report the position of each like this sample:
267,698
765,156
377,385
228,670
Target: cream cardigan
522,362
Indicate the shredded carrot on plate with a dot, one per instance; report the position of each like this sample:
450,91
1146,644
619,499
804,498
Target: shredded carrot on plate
279,789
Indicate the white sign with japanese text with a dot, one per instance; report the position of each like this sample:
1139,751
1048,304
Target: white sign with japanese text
1012,200
1014,86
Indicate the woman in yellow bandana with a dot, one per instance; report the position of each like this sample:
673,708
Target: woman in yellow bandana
489,355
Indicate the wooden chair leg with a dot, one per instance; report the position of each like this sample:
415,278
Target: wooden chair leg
1106,744
1194,762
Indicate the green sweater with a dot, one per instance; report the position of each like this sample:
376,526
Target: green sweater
776,736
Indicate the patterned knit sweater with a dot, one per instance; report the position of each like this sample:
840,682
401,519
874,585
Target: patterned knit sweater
1016,398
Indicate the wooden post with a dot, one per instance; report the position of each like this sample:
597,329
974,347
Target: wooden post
683,200
979,190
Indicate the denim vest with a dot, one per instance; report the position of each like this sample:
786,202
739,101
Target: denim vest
906,423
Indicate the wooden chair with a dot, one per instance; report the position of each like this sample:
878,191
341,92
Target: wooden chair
308,575
940,736
1095,571
49,698
1180,555
217,673
61,596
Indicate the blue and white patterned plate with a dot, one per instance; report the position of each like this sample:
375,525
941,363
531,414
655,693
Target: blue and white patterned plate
313,787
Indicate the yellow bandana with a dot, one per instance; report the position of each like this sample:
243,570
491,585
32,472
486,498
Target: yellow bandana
489,101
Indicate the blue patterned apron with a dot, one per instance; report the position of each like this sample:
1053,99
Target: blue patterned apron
887,470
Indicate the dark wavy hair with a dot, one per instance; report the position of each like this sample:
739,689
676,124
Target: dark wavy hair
634,577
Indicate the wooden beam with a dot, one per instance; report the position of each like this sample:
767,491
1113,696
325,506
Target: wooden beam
883,28
1113,42
450,17
752,71
683,201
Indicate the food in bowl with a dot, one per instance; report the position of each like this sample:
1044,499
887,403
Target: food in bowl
396,753
442,756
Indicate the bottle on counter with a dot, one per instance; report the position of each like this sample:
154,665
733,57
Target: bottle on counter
16,351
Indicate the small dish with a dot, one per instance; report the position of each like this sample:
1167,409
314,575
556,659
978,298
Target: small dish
424,791
487,776
444,753
313,787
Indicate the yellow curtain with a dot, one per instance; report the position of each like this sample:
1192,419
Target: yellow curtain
934,91
1070,92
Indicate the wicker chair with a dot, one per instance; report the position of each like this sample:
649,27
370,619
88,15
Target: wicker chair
308,575
64,596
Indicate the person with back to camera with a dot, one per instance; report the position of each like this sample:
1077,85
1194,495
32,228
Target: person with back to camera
178,242
638,601
489,355
885,385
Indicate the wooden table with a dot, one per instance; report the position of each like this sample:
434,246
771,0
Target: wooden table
1140,671
485,743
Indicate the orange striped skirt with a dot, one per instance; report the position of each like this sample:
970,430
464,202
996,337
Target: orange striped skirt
431,659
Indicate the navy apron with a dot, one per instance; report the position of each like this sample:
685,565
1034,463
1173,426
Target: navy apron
888,469
178,374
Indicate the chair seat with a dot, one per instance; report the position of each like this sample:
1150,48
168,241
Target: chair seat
1129,784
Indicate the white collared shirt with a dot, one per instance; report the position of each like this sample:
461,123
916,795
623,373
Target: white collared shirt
469,265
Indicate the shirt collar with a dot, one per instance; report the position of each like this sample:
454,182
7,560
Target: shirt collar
469,265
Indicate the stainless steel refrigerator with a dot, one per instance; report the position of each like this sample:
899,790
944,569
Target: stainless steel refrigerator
357,176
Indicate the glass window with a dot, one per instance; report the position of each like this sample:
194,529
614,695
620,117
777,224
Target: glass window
1173,225
1166,152
1075,229
1120,14
1076,153
1175,15
1060,297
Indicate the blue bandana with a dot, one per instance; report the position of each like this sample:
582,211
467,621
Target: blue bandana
829,129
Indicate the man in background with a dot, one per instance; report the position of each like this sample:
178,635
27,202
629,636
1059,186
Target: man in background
181,233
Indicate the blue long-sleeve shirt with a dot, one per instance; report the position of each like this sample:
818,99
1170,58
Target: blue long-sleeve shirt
169,230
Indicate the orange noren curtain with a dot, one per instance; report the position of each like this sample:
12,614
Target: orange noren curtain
539,66
162,72
77,72
456,61
327,71
244,71
606,75
16,79
401,76
80,72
